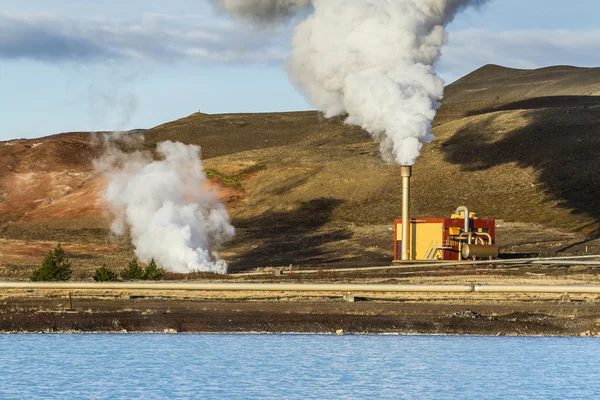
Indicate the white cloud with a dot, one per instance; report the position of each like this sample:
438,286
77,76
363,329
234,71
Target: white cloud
155,37
470,49
165,38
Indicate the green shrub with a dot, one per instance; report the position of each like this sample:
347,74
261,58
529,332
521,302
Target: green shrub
105,274
152,272
55,267
133,271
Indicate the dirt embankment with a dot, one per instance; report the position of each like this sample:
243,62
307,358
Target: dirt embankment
401,316
279,312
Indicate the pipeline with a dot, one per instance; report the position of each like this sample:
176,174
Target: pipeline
304,287
564,262
465,210
535,289
442,264
240,287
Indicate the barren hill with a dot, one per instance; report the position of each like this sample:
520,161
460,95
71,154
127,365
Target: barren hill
519,146
493,82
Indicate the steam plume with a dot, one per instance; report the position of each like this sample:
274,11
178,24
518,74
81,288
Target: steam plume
172,214
263,10
371,59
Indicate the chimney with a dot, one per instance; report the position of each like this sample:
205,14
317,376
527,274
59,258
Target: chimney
406,171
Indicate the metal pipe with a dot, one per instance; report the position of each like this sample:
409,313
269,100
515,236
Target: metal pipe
490,241
235,287
301,287
465,210
536,289
439,264
559,262
406,171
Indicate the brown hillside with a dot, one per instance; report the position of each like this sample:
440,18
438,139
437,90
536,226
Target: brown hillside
493,82
495,88
519,146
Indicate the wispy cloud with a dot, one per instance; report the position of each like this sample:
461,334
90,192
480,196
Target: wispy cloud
470,49
159,38
214,38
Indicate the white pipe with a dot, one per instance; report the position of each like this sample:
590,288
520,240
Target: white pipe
562,262
302,287
465,210
235,287
406,171
439,264
536,289
490,241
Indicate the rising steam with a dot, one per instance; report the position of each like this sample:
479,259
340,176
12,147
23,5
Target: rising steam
263,10
371,59
167,205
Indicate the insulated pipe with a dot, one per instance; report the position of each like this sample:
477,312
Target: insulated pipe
406,171
535,289
559,262
300,287
243,287
443,264
465,210
489,237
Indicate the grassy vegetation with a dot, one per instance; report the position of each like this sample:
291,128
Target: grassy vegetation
236,180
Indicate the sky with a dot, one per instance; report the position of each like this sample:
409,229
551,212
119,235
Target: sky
85,65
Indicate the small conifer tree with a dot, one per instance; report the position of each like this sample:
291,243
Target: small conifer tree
133,271
152,272
105,274
55,267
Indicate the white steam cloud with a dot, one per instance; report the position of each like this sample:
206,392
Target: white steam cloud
167,205
371,59
263,10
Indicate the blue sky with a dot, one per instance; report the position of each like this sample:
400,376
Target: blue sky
72,65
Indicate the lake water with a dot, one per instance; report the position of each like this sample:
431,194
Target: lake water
297,367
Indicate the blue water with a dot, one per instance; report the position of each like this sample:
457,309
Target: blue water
297,366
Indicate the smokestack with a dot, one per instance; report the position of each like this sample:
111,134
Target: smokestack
406,171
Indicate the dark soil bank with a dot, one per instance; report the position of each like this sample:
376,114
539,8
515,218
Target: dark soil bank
302,316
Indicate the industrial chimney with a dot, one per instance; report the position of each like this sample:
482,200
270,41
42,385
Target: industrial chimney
406,171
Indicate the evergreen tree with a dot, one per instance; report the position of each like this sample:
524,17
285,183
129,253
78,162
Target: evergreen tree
133,271
152,272
55,267
105,274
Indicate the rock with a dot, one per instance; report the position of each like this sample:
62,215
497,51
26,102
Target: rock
170,330
467,314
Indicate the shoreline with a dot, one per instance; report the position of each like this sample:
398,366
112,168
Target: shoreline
251,333
29,314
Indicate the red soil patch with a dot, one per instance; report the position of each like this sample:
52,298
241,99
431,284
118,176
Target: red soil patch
31,252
